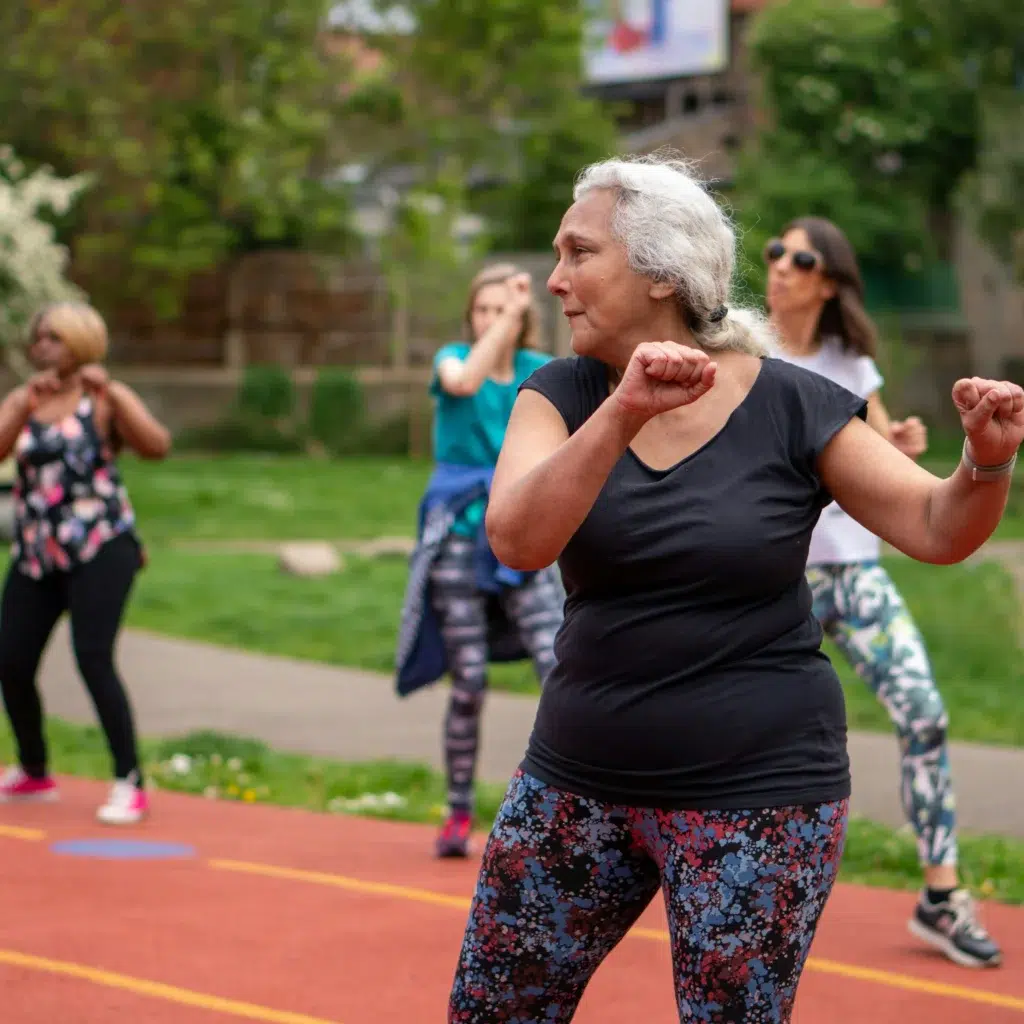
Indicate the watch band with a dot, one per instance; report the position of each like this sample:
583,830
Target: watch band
982,474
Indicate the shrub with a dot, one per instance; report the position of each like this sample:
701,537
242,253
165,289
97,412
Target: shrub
267,391
337,411
240,431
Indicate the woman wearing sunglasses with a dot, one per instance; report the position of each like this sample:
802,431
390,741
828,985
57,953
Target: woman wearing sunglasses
815,297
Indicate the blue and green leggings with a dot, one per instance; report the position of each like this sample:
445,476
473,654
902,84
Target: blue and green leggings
862,612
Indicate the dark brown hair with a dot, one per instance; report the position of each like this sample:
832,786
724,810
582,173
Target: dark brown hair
844,314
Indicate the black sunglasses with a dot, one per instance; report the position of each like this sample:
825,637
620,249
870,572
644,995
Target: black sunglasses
802,259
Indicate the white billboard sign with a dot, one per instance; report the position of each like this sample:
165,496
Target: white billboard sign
640,40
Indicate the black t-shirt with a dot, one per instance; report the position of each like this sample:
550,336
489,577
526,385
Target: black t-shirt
689,672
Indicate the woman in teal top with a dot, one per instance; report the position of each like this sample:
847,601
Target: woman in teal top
474,388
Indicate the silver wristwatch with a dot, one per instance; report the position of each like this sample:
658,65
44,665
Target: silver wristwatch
982,474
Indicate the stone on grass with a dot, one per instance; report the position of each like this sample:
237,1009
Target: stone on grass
309,559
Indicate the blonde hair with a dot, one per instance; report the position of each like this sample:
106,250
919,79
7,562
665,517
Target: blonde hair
499,273
78,325
673,231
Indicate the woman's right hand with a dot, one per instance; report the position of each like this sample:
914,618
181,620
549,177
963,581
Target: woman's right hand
519,293
661,376
38,387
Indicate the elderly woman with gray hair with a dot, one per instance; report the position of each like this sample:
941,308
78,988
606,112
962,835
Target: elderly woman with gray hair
75,547
692,735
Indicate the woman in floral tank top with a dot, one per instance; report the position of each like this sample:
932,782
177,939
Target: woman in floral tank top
75,547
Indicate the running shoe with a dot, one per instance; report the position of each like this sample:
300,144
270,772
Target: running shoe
16,785
127,804
953,928
454,838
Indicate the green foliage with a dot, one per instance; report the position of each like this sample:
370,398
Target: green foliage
868,124
428,268
993,196
337,410
267,391
242,431
204,123
551,154
497,87
986,41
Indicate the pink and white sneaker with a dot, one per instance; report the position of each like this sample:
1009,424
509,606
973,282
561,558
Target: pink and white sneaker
127,804
16,786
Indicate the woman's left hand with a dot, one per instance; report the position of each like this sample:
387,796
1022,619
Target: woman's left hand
95,379
992,412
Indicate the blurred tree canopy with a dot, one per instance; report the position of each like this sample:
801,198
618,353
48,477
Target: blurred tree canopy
496,87
203,124
987,37
880,117
867,122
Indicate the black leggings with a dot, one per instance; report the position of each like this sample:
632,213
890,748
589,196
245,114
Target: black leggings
94,594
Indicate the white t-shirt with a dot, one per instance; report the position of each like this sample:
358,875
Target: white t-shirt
839,539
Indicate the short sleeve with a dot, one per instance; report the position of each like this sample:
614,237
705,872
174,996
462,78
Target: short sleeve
559,381
869,378
453,350
819,408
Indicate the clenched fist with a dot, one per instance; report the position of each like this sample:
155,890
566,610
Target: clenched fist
910,436
992,412
662,375
519,293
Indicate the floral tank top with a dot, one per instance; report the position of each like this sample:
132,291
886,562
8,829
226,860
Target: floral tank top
69,499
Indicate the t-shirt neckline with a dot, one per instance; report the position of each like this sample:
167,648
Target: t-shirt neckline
710,441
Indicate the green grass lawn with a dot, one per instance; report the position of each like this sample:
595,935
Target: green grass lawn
275,498
252,497
233,768
969,615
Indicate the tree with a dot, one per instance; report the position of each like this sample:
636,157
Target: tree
867,123
205,123
497,87
32,262
986,38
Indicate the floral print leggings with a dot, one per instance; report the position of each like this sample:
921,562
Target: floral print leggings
862,612
564,878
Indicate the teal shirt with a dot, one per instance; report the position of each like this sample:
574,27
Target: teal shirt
469,430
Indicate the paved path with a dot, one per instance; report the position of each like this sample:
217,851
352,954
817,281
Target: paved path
348,714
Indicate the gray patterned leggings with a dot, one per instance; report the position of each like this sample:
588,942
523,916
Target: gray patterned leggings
536,609
862,612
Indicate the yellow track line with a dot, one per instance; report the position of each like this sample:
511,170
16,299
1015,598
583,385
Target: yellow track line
891,979
32,835
155,989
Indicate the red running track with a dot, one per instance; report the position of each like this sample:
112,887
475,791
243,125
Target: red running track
296,918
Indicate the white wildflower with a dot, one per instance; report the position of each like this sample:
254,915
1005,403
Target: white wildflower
180,764
32,263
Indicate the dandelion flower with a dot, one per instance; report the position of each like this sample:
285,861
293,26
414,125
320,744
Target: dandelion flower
249,796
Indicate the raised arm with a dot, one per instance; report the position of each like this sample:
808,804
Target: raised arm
463,377
920,514
14,413
20,404
546,482
137,426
